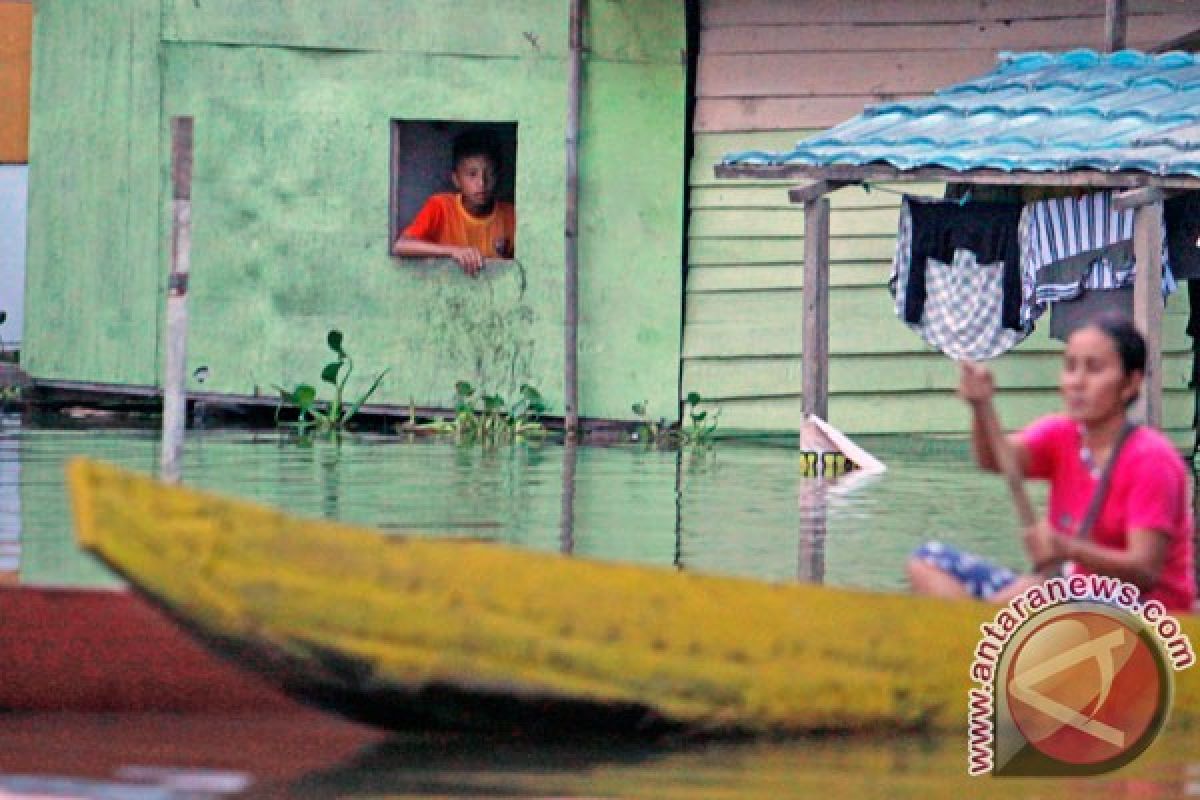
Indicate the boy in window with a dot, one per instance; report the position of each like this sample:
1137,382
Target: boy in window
470,224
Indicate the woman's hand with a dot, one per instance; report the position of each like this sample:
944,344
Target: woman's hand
975,382
1046,548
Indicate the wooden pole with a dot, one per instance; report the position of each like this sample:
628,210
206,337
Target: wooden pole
174,416
571,225
815,345
1148,305
1114,25
566,522
814,528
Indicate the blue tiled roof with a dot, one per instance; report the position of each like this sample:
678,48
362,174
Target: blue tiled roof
1040,112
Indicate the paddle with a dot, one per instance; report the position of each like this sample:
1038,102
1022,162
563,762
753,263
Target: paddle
1006,460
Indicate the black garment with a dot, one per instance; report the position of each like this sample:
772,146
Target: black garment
1193,323
989,230
1181,215
1067,316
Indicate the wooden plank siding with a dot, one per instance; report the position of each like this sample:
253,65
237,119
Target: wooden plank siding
16,41
294,104
771,72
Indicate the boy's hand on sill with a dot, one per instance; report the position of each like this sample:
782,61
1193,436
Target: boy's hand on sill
468,258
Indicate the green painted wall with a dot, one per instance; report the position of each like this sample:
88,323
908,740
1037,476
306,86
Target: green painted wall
742,343
292,105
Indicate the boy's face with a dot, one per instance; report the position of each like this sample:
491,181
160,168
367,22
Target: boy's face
475,178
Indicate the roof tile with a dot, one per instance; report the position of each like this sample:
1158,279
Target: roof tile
1042,112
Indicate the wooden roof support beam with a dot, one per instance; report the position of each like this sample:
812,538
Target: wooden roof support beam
885,173
1148,305
1136,198
816,189
815,344
1114,25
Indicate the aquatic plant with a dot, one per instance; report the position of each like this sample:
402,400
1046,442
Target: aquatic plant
487,419
334,415
700,430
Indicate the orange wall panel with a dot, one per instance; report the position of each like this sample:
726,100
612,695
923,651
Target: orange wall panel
16,44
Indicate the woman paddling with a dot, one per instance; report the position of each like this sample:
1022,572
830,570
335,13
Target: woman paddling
1142,530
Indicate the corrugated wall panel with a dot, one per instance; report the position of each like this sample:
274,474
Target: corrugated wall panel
772,71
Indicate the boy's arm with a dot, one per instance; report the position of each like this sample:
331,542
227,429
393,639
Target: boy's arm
470,259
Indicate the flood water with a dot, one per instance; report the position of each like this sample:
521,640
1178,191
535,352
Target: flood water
737,509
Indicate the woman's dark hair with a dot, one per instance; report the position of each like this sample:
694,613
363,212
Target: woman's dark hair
1130,346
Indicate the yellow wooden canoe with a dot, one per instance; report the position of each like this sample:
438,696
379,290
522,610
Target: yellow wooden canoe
413,632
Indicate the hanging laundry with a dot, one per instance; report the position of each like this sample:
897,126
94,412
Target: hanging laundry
1069,315
1109,267
1075,243
1181,214
939,228
964,305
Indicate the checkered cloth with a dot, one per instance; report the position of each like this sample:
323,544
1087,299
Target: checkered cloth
963,301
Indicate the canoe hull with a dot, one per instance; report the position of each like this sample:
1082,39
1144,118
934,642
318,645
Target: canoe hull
409,632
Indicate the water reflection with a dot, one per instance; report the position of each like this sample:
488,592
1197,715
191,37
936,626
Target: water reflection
735,509
567,519
308,755
911,766
813,501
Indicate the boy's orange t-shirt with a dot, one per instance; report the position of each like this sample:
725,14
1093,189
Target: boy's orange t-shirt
443,220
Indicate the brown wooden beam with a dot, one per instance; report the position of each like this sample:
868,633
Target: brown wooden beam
1148,305
810,192
1114,25
1136,198
815,345
889,174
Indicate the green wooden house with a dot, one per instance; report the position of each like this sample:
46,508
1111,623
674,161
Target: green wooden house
304,109
313,120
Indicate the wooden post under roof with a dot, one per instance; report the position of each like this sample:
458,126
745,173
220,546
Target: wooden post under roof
815,344
1114,25
1148,304
1143,191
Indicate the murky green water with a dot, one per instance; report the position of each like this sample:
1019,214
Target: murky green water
738,509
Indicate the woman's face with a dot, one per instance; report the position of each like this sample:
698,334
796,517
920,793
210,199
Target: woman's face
1094,385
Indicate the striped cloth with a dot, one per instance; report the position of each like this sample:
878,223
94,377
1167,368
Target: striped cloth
1061,229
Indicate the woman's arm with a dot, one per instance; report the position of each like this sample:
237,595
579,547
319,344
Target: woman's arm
977,388
1140,563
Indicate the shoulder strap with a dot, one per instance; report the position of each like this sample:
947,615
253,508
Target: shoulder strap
1093,509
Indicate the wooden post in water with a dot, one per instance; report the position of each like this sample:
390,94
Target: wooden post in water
570,454
814,519
571,225
174,417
